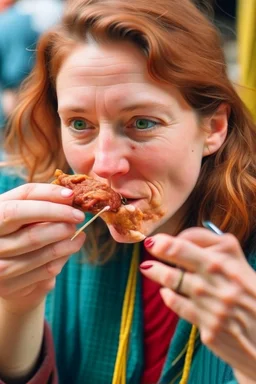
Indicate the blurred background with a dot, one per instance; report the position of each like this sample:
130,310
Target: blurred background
23,21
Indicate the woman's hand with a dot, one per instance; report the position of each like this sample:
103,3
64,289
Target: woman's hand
217,292
36,224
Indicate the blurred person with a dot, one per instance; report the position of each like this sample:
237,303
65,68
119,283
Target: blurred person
20,27
135,94
4,4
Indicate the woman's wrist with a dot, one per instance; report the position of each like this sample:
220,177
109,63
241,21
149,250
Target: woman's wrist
17,332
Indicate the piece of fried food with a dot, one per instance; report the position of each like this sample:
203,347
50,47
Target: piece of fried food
90,195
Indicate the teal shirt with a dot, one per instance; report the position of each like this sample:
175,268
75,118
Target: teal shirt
84,311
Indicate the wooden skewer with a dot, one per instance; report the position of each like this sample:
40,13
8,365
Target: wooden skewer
107,208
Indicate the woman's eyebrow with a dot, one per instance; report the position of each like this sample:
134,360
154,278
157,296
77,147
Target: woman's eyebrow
70,108
146,105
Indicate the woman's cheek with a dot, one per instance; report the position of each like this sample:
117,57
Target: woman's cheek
76,156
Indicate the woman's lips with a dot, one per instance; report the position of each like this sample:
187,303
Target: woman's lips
127,200
136,203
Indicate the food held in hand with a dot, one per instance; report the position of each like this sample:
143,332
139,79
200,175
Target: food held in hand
91,195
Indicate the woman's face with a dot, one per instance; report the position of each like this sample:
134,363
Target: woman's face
138,135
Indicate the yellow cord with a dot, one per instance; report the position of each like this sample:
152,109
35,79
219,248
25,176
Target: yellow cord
119,376
189,355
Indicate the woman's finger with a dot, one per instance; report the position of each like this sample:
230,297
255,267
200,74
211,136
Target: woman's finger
16,266
183,282
15,214
41,192
200,236
34,237
162,274
185,253
44,272
181,305
177,251
226,243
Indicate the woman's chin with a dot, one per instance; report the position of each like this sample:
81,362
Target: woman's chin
130,236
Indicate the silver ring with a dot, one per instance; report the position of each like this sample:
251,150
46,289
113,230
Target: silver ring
180,281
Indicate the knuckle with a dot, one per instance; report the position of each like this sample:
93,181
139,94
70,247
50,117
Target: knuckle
26,190
48,285
215,264
215,326
9,210
70,229
64,230
207,338
51,269
33,236
221,314
177,247
198,288
54,252
77,243
167,279
230,295
184,311
163,242
174,248
230,242
54,267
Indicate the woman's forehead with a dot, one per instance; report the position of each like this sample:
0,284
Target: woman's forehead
114,76
105,63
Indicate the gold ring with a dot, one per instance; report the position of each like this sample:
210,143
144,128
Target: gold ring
179,284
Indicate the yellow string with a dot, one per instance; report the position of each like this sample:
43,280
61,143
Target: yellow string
119,376
189,355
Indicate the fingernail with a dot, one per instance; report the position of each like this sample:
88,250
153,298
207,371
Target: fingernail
66,192
145,266
78,215
149,242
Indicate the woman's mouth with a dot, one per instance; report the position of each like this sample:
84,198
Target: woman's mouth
130,201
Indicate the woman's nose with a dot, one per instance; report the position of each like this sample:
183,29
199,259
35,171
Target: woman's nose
110,157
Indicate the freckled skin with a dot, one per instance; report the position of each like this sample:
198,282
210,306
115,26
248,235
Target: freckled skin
138,135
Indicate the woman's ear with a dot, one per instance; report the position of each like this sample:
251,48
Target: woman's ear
216,129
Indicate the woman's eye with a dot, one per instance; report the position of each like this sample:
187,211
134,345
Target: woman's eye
144,123
78,124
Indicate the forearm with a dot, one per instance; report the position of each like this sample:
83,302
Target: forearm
20,343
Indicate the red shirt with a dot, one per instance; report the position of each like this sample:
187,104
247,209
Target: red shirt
159,326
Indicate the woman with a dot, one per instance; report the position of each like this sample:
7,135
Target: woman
134,94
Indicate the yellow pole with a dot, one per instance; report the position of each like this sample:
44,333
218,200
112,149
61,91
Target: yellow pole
246,25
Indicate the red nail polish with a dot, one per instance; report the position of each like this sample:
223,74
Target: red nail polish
146,266
149,242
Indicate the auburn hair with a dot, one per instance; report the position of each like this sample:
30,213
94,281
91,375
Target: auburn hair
183,48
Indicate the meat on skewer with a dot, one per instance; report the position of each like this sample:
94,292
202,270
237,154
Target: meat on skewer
90,195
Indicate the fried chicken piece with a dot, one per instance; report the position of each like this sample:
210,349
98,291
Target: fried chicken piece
90,195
